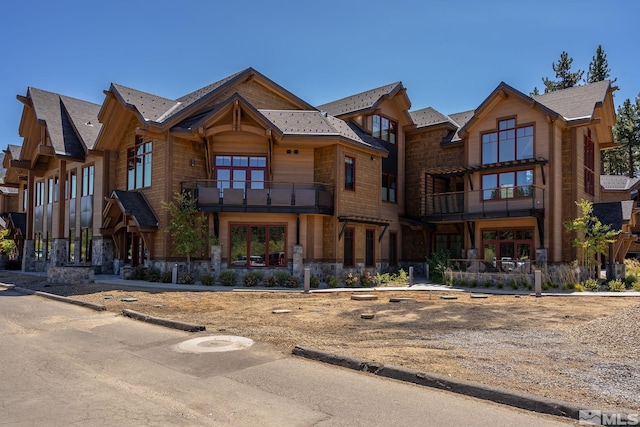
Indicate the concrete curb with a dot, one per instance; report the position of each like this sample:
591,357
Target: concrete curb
92,306
469,388
189,327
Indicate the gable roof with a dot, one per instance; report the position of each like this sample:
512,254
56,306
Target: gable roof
362,101
315,123
72,124
577,102
160,110
134,203
429,116
617,182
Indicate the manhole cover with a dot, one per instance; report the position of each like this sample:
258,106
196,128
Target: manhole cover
402,299
367,297
214,344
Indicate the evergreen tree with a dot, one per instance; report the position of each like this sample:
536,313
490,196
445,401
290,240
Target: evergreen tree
535,92
627,132
563,72
599,67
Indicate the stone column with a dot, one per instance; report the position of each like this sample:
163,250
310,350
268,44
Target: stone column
103,254
59,252
29,255
298,269
216,259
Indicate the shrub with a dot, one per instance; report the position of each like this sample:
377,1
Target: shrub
367,280
488,284
513,284
616,286
591,285
438,264
473,283
253,278
207,280
166,277
186,279
228,278
292,282
350,281
281,277
500,285
139,273
636,286
332,281
314,282
153,275
270,281
578,287
630,280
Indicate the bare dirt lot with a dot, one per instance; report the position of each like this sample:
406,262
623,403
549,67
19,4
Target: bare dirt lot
584,350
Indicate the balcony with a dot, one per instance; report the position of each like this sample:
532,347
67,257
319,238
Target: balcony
262,196
499,202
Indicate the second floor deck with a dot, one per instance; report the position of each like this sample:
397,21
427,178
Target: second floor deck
262,196
499,202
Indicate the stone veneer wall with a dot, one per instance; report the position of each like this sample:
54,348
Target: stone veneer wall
70,275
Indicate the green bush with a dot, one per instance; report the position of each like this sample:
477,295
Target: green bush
488,284
186,279
350,281
292,282
636,286
166,277
578,287
253,278
139,273
367,280
438,265
616,286
228,278
474,283
513,284
270,282
153,275
207,280
332,281
630,280
591,285
314,282
281,278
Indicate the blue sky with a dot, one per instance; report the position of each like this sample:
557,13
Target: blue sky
448,54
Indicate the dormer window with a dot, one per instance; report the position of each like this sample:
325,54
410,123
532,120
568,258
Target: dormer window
384,129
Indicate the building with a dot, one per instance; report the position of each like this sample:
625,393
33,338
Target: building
358,184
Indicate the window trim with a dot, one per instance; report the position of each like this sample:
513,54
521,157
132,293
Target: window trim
350,167
248,182
349,234
145,158
88,180
514,189
392,129
388,186
282,258
497,131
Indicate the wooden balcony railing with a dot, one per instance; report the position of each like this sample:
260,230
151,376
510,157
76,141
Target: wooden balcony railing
262,196
492,202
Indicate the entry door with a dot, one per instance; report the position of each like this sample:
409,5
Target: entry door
137,251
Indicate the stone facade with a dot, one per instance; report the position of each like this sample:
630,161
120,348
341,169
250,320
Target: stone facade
70,275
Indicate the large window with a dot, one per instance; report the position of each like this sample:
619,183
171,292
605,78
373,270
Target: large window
370,244
72,185
139,165
507,249
86,236
451,243
589,164
241,171
40,193
389,184
508,143
349,173
385,129
88,180
507,185
52,194
349,247
258,246
38,245
71,256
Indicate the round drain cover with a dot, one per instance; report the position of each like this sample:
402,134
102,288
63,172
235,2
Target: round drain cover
214,343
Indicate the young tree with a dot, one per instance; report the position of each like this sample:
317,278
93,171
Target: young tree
627,132
188,227
599,67
592,237
563,72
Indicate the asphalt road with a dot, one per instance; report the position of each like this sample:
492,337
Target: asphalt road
63,365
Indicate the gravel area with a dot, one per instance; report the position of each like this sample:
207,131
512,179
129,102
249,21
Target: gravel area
584,350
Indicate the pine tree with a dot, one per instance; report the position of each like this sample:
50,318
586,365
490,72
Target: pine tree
627,132
599,67
563,72
535,92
